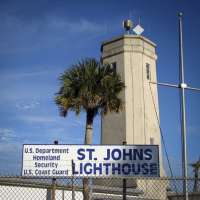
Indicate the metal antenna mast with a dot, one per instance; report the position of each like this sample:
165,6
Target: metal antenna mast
182,101
182,86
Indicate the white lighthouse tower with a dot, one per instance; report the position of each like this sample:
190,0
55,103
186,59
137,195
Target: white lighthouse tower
134,58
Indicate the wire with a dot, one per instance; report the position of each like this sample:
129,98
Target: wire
163,141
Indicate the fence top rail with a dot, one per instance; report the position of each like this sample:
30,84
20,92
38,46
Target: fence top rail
92,177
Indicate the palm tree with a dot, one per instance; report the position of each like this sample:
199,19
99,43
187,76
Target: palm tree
93,88
196,168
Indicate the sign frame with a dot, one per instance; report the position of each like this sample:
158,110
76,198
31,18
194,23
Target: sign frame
93,145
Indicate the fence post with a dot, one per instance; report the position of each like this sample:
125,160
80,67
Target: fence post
124,181
72,179
53,193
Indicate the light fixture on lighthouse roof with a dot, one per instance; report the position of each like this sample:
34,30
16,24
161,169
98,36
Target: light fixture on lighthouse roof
127,24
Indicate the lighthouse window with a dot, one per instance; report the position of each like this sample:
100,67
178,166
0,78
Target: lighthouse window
114,67
148,72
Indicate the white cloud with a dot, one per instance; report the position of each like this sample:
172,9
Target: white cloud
82,25
37,119
6,134
9,147
30,74
85,26
29,86
47,32
21,105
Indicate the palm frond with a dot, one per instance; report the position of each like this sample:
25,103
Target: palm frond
89,85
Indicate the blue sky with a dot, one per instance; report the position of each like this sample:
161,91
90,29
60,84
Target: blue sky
40,39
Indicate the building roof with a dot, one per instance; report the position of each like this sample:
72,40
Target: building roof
114,39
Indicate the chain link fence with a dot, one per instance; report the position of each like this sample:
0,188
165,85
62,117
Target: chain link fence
20,188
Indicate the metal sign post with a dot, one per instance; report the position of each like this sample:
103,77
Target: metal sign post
124,181
53,193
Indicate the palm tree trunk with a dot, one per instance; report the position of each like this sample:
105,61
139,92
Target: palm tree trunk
88,140
89,127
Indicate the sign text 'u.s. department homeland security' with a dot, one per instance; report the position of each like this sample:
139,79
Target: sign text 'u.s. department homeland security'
90,160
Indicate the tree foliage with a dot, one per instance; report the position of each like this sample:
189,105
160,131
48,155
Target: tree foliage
89,86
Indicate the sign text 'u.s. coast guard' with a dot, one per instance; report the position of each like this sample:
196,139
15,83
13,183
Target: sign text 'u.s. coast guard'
90,160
